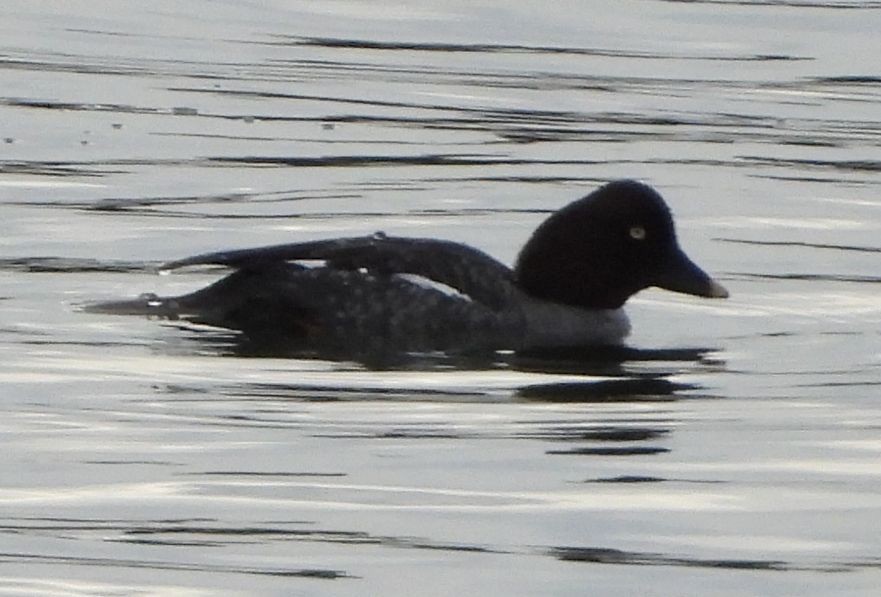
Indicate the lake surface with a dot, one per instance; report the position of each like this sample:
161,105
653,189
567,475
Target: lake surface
735,451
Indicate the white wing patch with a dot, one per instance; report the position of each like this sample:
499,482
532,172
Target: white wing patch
428,283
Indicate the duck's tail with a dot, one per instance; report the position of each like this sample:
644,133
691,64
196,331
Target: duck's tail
147,304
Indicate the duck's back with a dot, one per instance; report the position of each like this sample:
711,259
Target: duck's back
341,310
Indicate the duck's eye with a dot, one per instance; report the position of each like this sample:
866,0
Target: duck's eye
637,232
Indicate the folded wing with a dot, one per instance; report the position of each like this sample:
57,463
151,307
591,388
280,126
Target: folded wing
463,268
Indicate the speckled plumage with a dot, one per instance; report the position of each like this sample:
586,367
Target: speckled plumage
330,309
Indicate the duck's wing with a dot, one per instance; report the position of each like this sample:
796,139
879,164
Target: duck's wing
463,268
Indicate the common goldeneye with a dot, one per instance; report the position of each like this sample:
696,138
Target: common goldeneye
381,293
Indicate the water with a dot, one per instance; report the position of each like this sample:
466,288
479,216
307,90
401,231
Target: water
737,452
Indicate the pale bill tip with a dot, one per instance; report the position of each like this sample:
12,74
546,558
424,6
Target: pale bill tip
717,290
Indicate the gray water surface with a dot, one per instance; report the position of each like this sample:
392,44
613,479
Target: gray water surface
736,450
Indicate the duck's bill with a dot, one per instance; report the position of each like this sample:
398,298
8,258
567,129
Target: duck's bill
683,275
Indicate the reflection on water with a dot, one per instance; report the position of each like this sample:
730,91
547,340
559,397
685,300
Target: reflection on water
617,390
169,566
615,556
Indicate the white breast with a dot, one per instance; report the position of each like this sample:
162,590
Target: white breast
553,325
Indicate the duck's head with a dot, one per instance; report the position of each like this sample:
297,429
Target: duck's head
600,250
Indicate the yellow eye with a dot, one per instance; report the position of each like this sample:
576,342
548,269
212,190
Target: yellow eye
637,233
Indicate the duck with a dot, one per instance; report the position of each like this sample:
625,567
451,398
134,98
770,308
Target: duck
380,293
